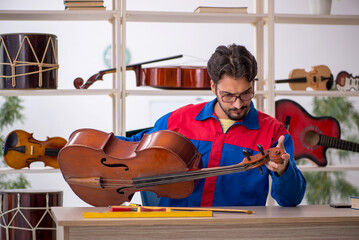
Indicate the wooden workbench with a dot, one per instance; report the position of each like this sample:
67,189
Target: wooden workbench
270,222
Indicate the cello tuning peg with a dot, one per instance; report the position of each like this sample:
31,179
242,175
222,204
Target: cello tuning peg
260,148
247,154
261,170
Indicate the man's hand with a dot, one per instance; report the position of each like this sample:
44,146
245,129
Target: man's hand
279,168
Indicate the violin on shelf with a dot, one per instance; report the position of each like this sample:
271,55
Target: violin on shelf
103,170
21,149
346,82
318,78
164,77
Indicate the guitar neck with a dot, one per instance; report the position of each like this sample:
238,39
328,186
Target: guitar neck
332,142
292,80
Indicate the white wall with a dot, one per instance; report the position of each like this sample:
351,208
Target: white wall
82,45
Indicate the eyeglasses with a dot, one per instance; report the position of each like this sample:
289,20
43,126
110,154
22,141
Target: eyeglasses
230,98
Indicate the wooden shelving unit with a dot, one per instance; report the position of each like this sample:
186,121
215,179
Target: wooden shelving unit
119,18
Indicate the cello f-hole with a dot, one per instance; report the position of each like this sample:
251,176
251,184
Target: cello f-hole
103,160
120,190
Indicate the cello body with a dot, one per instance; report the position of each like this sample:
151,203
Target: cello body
174,77
92,155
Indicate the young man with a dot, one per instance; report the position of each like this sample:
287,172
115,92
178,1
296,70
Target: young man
223,128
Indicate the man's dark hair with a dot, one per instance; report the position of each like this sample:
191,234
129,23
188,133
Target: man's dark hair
234,61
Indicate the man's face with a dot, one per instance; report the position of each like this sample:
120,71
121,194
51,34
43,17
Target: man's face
228,106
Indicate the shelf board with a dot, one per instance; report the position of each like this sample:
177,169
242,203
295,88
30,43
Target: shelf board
29,170
57,92
303,168
57,15
179,17
189,17
317,19
150,92
318,93
176,92
309,168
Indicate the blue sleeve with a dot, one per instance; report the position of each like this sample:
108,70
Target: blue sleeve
161,124
289,188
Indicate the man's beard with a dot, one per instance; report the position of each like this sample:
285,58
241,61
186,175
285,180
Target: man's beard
231,114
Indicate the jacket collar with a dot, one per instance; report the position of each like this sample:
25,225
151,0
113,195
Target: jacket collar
250,121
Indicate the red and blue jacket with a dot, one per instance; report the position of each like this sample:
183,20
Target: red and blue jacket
200,124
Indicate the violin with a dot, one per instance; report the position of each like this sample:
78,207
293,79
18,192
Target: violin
318,78
103,170
167,77
21,149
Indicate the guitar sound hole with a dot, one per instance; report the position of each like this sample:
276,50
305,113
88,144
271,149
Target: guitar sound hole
311,138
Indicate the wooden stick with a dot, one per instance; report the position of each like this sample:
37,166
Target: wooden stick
213,209
192,209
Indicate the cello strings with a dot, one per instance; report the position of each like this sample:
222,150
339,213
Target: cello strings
188,176
180,177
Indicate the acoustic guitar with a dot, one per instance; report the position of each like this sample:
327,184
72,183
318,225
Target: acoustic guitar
318,78
312,136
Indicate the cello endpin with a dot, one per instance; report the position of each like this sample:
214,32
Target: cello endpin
261,170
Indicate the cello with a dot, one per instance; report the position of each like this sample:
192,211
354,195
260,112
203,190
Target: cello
103,170
165,77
